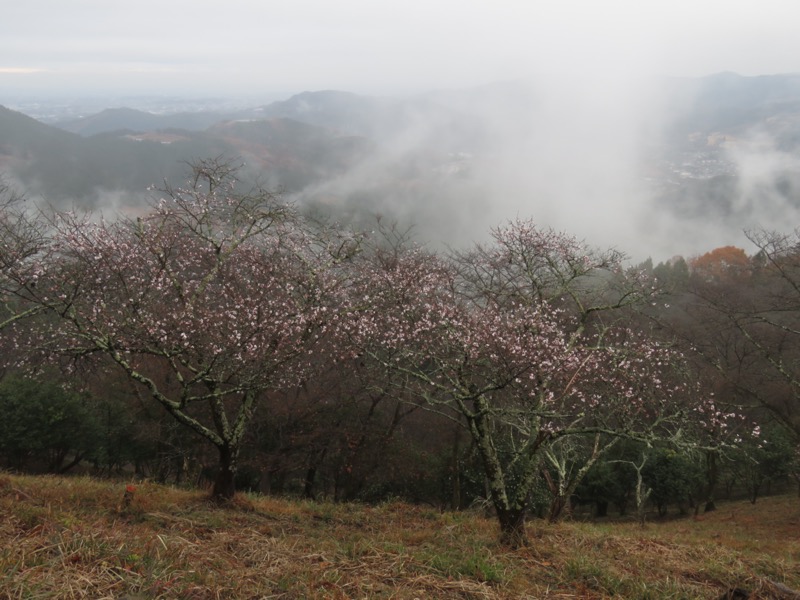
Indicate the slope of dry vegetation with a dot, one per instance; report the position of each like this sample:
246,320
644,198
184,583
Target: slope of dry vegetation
75,538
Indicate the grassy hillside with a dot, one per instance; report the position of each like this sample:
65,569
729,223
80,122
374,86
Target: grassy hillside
75,538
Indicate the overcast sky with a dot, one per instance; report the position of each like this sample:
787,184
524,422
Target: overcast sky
379,46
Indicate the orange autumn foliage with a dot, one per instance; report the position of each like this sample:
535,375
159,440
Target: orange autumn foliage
724,263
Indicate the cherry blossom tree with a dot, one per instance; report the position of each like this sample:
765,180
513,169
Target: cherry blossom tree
509,341
531,265
21,237
208,302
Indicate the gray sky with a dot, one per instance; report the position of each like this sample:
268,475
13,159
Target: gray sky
379,46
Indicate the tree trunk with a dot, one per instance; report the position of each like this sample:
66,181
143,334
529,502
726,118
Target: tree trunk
512,527
225,484
315,460
712,475
510,511
557,506
754,489
70,465
455,496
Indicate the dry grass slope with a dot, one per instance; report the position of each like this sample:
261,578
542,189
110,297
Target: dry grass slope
75,538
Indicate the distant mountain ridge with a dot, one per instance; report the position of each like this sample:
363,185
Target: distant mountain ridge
458,151
134,153
723,102
23,133
729,102
341,112
306,139
118,119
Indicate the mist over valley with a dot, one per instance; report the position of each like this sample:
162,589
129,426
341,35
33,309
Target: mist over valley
673,166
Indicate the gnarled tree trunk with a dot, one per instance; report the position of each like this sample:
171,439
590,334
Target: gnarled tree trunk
712,475
225,481
512,527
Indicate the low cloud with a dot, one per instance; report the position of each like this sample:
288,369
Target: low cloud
568,154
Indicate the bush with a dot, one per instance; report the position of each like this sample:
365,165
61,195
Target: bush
42,425
673,478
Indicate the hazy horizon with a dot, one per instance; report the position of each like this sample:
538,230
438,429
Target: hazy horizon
194,48
574,164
